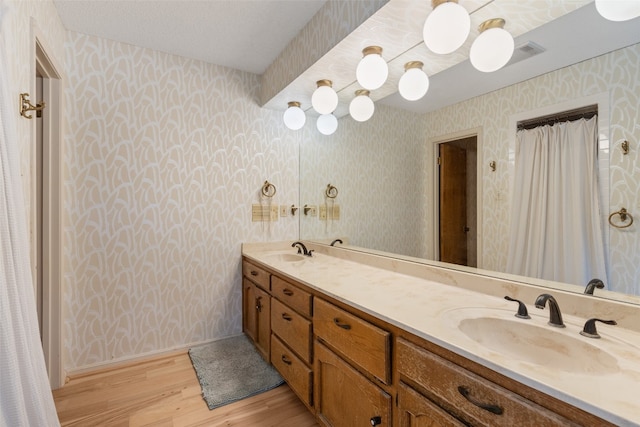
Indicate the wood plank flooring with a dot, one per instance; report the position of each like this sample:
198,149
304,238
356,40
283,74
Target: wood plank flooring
166,392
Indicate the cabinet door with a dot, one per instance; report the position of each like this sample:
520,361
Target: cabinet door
344,397
263,322
416,410
249,312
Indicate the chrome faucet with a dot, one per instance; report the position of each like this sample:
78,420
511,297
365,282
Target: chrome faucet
592,285
302,249
336,241
555,317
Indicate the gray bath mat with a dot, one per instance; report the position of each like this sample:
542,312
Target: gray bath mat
232,369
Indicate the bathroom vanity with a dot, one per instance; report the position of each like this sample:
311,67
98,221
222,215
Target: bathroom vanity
364,339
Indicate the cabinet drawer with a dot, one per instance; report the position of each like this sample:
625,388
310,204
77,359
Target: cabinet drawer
296,373
255,274
293,329
447,384
364,344
291,295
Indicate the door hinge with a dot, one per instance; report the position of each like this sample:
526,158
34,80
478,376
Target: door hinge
439,161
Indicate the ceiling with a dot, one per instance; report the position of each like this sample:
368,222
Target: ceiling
250,34
243,34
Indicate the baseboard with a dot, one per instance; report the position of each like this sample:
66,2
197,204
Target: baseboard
102,367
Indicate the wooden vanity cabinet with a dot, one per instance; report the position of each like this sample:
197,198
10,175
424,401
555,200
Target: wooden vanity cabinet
344,397
415,410
256,308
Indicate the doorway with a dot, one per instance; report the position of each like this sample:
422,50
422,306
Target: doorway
46,204
457,215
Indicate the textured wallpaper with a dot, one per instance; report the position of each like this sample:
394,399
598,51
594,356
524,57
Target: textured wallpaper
407,144
165,157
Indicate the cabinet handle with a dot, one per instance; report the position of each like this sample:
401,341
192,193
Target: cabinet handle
375,421
286,317
259,304
494,409
254,273
340,324
287,292
286,360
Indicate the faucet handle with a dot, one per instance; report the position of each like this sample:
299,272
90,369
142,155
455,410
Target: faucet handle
522,309
589,329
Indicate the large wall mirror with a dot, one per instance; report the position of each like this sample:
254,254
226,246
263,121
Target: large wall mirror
387,176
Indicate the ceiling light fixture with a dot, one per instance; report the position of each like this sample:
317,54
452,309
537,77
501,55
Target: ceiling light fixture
493,48
361,107
618,10
372,70
324,99
414,83
294,117
327,124
447,26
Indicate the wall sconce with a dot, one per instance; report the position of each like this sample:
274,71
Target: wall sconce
361,107
493,48
447,26
414,83
618,10
372,70
327,124
294,117
26,105
324,99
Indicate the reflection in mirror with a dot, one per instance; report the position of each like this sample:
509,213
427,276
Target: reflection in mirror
386,169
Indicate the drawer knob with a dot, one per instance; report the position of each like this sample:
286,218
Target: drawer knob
494,409
254,273
286,360
286,317
287,292
259,304
340,324
376,421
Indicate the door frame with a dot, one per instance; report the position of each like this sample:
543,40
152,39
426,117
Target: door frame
52,203
435,187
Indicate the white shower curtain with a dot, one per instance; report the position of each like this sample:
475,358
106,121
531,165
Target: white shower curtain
25,394
556,232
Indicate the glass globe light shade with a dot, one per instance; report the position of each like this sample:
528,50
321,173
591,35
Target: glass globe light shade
491,50
294,117
361,107
324,99
327,124
372,70
446,28
414,83
618,10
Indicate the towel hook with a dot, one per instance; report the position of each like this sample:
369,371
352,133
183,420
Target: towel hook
625,147
624,215
331,191
26,105
268,189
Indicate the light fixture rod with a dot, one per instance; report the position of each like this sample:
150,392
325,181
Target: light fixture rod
491,23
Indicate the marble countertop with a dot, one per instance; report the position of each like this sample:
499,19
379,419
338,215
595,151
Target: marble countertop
600,376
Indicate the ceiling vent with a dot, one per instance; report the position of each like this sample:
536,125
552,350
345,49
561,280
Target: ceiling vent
525,51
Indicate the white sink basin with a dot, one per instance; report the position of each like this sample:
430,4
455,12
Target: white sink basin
286,257
534,342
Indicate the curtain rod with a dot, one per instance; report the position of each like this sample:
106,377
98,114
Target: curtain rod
566,116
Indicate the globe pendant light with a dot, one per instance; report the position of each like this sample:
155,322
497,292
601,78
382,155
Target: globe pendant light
447,26
361,107
327,124
414,83
493,48
618,10
294,117
324,99
372,70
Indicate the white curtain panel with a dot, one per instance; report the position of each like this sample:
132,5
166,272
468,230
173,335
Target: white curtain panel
25,395
556,232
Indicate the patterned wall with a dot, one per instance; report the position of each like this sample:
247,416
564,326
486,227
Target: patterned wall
615,73
165,156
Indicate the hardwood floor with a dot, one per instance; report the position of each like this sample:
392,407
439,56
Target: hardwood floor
165,392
